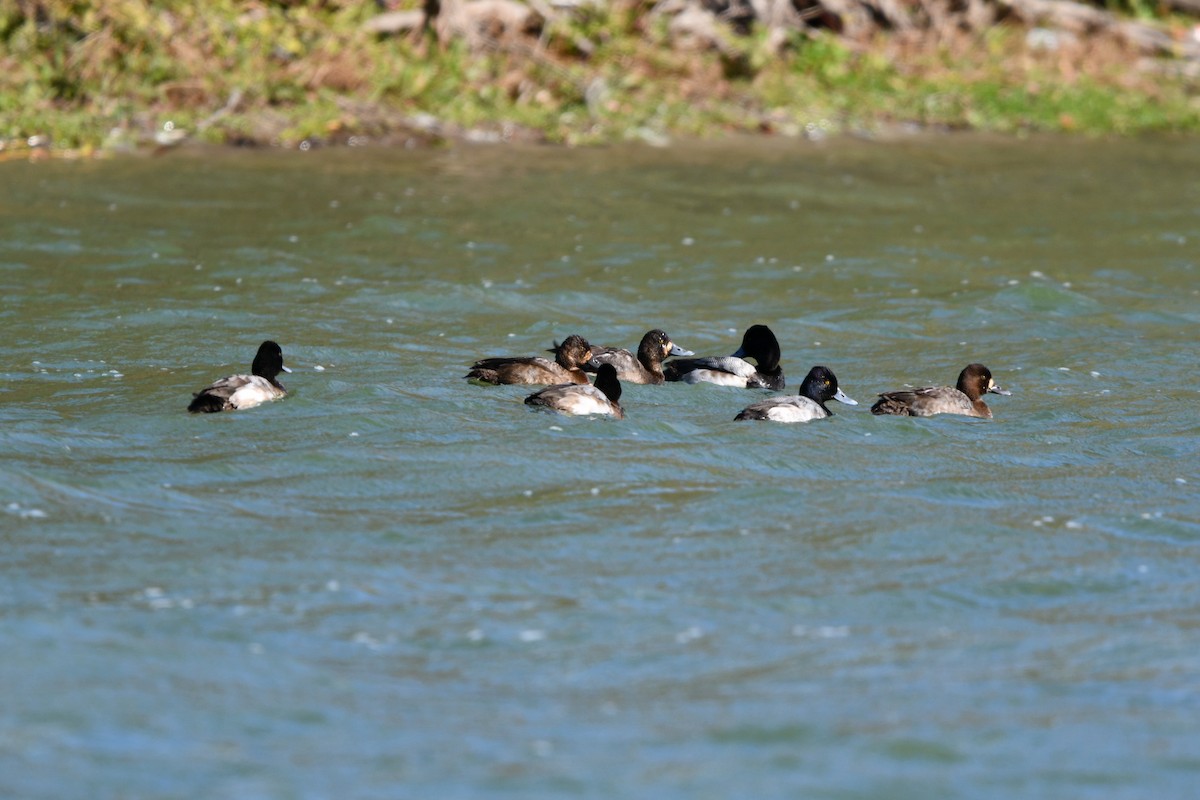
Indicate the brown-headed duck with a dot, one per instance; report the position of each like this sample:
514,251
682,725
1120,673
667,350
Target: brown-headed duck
569,358
646,366
967,399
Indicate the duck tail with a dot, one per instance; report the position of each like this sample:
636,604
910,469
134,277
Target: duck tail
888,404
483,375
206,403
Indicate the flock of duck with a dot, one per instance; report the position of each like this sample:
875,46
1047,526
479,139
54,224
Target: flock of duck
569,390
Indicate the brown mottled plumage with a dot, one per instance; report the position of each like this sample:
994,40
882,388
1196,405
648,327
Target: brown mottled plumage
966,399
569,358
646,366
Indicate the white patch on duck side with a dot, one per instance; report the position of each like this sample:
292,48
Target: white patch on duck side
591,402
731,364
255,391
795,409
717,377
788,409
575,400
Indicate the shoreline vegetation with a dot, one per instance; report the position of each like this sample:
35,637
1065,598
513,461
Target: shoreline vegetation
90,78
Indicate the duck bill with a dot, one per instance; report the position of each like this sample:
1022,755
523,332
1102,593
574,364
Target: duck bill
841,397
998,390
285,369
676,350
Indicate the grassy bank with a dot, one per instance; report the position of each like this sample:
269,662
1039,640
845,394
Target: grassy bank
82,77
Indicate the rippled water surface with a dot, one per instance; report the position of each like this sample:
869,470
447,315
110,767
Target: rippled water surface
396,584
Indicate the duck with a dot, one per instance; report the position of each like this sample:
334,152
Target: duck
758,342
569,358
646,366
238,392
820,386
966,398
602,397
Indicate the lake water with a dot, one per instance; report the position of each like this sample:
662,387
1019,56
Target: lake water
396,584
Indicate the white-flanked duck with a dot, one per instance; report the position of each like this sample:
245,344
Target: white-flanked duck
602,397
239,392
819,387
758,343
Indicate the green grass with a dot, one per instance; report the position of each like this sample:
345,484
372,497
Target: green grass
88,75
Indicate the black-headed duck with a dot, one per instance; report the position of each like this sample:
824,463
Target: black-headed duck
569,359
758,343
819,387
245,391
967,399
602,397
646,366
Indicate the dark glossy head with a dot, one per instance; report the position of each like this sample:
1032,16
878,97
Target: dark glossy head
821,385
759,343
606,381
573,353
976,380
268,362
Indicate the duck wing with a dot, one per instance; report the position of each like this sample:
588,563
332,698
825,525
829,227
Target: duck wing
574,399
234,392
521,370
784,409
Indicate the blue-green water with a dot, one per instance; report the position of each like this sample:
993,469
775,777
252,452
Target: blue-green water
396,584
